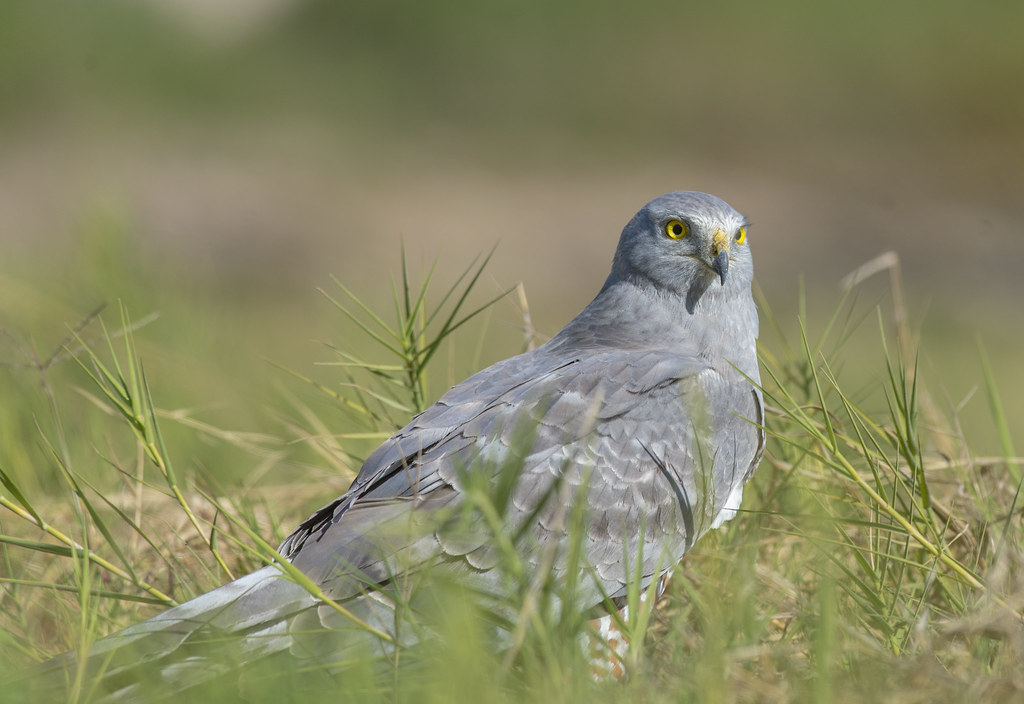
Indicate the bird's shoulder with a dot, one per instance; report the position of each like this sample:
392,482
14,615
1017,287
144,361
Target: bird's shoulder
565,392
549,386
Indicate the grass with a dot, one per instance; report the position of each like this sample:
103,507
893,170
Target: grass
877,557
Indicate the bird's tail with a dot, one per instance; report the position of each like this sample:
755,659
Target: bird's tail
220,632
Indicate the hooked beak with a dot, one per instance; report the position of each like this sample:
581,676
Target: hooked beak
720,252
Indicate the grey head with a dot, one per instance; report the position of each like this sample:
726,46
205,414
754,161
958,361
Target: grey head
687,243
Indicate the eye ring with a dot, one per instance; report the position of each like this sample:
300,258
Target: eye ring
676,229
741,235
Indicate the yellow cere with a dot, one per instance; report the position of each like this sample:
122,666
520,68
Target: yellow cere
676,229
741,236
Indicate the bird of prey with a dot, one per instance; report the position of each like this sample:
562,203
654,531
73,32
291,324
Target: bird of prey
643,411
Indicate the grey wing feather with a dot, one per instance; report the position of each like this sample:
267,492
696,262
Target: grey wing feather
661,437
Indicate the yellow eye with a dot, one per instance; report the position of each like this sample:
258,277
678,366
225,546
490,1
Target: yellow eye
741,236
676,229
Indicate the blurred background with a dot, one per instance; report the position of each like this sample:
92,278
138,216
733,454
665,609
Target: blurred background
216,162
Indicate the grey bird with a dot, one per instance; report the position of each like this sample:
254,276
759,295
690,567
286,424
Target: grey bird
645,407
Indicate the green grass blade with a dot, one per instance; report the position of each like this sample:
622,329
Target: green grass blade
998,415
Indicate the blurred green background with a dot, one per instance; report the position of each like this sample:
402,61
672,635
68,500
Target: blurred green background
215,162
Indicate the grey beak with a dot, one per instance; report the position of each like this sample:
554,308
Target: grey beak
720,265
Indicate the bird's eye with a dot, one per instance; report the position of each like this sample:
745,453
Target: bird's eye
676,229
741,236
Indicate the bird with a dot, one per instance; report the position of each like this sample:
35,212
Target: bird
643,415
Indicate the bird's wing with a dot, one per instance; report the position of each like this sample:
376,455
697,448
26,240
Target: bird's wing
654,441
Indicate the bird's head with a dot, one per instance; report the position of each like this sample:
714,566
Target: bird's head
685,242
